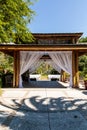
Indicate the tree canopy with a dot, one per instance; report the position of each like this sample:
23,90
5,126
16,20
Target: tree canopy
83,64
14,17
83,39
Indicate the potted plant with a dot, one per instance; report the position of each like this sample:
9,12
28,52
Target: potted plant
85,81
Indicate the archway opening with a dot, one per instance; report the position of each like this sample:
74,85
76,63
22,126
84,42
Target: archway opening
42,69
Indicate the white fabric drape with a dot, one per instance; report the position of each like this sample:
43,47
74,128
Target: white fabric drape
35,66
54,65
64,61
27,59
60,60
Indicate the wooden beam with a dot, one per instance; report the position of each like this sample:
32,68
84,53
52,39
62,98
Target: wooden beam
58,47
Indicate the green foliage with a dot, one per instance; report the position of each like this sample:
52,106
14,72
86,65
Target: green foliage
53,71
83,65
42,69
6,63
85,78
83,39
82,62
45,69
14,17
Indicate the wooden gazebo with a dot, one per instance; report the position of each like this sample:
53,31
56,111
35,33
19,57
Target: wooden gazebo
48,42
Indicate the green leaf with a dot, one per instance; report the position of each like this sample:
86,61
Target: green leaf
15,15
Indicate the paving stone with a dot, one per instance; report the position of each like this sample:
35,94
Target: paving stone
30,121
67,121
44,109
3,116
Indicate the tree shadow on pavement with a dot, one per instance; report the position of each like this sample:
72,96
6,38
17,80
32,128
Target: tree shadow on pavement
85,92
41,106
45,105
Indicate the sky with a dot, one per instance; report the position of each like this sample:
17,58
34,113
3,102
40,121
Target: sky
59,16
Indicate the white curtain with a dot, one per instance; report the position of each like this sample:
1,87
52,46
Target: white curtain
60,60
27,59
35,66
64,61
54,65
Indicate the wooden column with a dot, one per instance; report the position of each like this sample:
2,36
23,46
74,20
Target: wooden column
14,72
63,76
73,68
73,40
16,69
75,72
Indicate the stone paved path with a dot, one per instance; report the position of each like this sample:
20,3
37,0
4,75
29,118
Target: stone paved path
43,109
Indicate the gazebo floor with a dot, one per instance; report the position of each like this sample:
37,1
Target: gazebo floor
44,84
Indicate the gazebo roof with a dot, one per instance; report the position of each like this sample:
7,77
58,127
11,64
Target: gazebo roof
57,35
53,46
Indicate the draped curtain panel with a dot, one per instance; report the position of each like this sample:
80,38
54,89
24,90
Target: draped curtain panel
64,61
59,60
54,65
35,66
27,60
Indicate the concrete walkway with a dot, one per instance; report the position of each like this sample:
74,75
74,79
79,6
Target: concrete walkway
43,109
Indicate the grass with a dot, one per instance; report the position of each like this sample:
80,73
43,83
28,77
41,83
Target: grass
44,77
